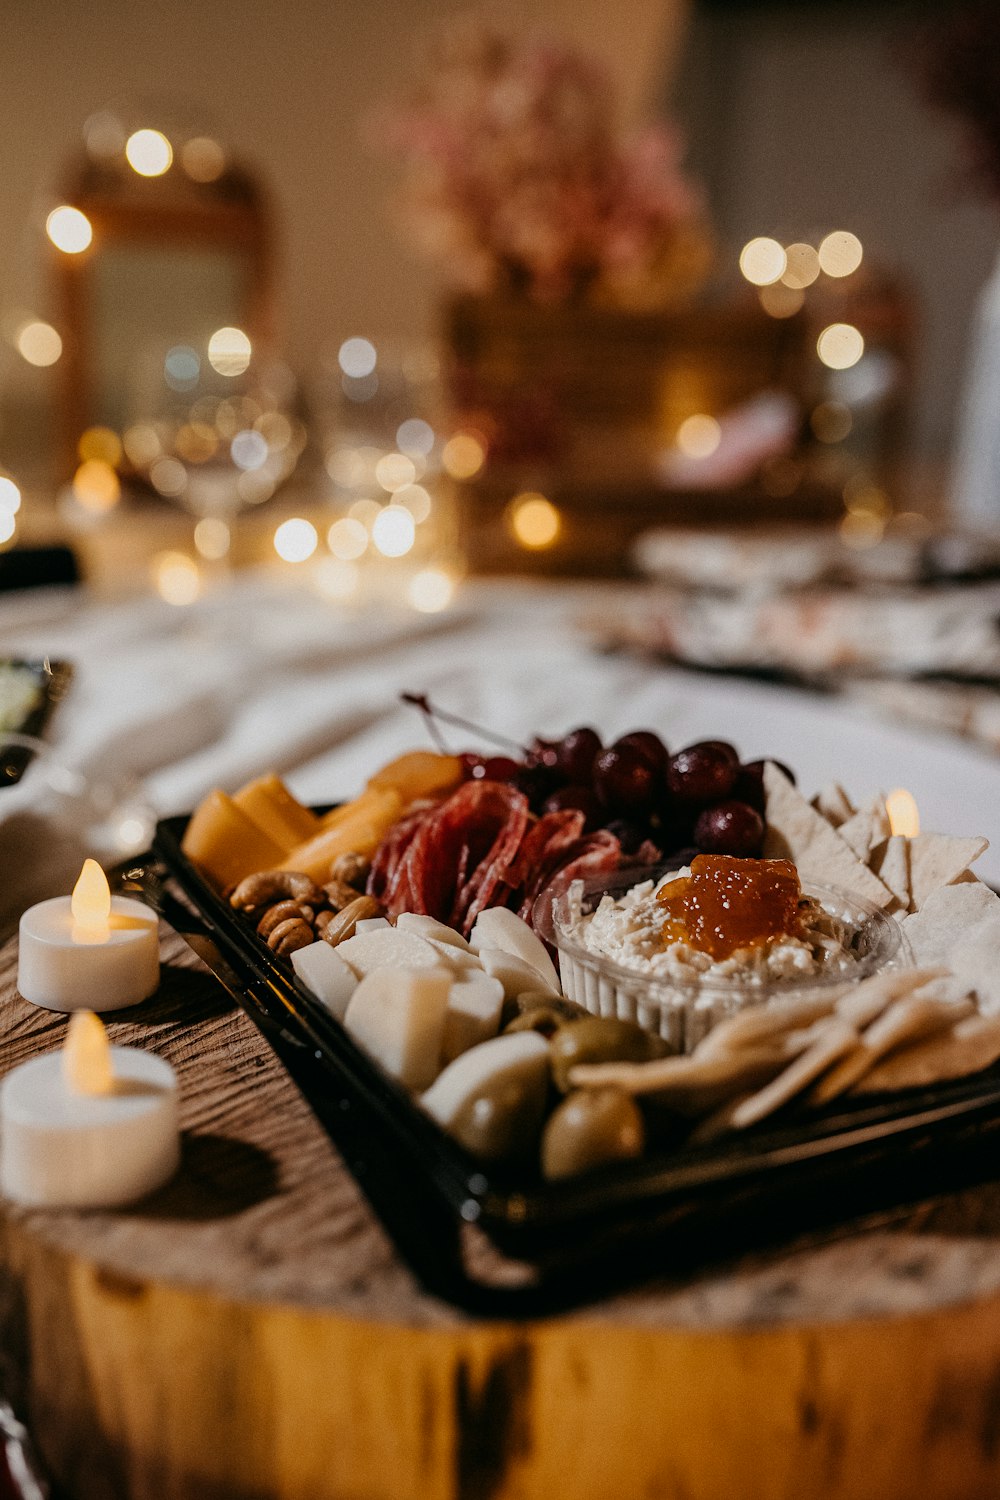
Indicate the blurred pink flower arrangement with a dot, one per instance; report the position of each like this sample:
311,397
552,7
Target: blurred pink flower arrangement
516,180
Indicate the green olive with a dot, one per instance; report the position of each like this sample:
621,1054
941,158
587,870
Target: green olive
543,1018
556,1012
504,1119
590,1127
601,1039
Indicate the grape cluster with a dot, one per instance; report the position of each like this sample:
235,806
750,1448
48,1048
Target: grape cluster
701,799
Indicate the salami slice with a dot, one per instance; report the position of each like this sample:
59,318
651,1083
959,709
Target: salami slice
590,857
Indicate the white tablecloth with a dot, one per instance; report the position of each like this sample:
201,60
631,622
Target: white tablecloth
169,702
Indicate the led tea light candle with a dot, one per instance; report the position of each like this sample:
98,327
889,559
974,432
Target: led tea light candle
91,1126
88,951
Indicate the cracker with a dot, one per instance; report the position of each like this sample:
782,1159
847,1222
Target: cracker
959,926
866,829
970,1047
936,860
906,1021
766,1024
890,861
798,832
689,1085
832,801
837,1039
860,1006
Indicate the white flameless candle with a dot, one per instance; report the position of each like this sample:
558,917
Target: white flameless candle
88,951
91,1126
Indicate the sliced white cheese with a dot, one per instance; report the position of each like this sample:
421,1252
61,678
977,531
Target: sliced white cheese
368,951
398,1015
323,971
520,1058
430,927
371,924
474,1006
462,960
514,974
496,927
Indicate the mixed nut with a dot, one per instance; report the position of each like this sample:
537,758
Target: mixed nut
290,910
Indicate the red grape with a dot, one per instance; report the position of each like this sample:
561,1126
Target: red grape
575,755
624,779
701,773
580,798
543,752
722,745
630,835
749,785
472,765
500,768
649,744
730,828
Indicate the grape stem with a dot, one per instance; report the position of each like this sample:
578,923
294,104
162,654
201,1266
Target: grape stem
434,715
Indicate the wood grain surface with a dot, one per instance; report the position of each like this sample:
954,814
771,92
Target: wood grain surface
249,1332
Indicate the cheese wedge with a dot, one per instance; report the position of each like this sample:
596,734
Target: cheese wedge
324,972
496,927
272,807
227,844
398,1016
474,1006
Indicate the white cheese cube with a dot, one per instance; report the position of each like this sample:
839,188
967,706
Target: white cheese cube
474,1006
398,1015
430,927
496,927
514,974
371,924
368,951
324,972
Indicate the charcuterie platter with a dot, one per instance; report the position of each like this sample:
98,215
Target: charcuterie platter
789,1077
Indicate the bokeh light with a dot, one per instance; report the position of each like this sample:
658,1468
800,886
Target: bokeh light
802,266
212,538
534,521
860,530
229,351
8,526
415,436
176,578
96,486
762,261
781,301
417,501
840,253
394,531
366,511
357,358
296,540
347,539
69,229
840,346
196,442
431,590
141,443
149,153
699,436
337,580
168,476
394,470
904,815
203,159
248,450
38,343
463,455
100,444
831,421
10,496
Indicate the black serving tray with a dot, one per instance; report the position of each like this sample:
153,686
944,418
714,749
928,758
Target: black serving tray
552,1245
51,679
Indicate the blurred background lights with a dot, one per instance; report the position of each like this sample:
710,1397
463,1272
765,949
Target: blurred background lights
337,580
102,444
699,436
831,421
176,578
463,456
38,343
762,261
168,476
393,531
781,301
394,470
203,159
840,253
417,501
248,450
8,526
840,346
904,816
366,511
347,539
141,443
149,153
96,486
357,358
10,496
415,436
229,351
212,538
69,229
431,590
860,530
196,442
104,135
181,367
296,540
534,521
802,266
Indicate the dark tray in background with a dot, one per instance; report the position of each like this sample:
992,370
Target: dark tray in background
51,679
573,1240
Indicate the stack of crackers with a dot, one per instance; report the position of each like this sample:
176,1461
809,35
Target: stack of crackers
904,1027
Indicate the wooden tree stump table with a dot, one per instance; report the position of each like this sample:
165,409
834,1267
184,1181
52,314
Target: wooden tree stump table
249,1332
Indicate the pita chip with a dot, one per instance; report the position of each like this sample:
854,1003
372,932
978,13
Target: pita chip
936,860
891,863
974,1044
867,828
832,801
798,832
959,926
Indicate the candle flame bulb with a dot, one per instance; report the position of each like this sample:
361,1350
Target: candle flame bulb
86,1057
903,815
91,904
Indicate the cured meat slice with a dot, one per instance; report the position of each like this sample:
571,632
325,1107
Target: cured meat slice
588,858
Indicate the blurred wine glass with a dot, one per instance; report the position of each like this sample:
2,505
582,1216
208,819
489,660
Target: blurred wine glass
213,429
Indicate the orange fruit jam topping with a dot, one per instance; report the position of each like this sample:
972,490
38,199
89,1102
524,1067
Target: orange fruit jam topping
726,904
